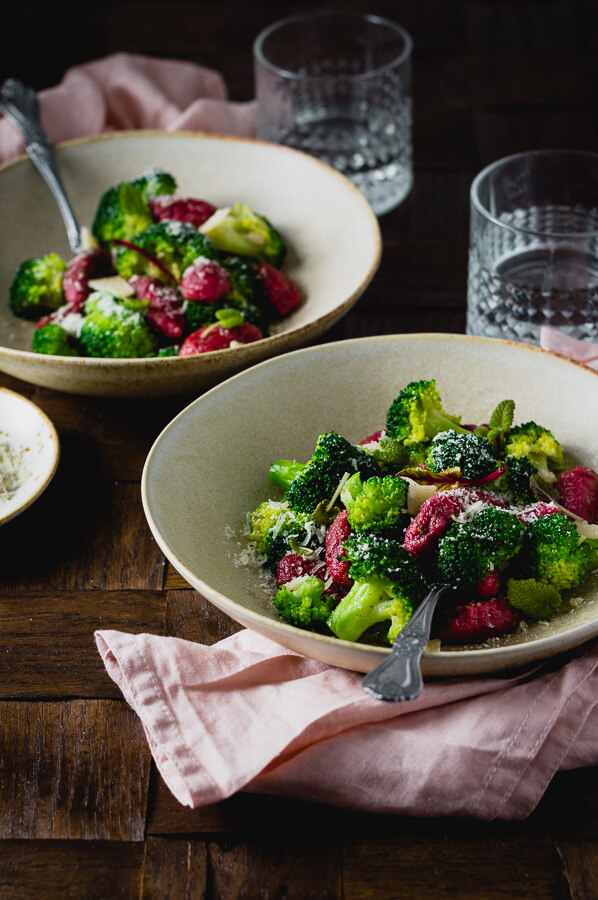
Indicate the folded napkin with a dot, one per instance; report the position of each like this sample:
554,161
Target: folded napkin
247,714
580,351
128,91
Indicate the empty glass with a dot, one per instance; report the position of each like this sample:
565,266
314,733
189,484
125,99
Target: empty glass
533,257
337,85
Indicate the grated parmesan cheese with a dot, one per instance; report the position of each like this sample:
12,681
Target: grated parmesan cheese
13,471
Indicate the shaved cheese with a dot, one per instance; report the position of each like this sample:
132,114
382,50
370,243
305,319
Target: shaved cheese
114,285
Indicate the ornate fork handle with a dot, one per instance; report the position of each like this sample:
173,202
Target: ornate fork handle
399,677
20,105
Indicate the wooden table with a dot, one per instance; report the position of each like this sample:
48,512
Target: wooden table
82,811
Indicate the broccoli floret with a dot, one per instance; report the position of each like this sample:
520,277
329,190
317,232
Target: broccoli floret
533,598
470,550
557,554
416,415
268,516
283,472
123,210
471,454
538,445
277,530
377,503
199,313
242,277
173,350
174,245
111,330
53,340
388,453
240,231
302,602
332,458
387,585
516,480
37,286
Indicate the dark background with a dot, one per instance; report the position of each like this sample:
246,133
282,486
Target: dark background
489,78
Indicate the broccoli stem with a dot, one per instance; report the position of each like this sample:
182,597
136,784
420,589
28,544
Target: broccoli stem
365,605
440,422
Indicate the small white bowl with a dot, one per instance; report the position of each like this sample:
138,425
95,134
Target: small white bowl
25,428
208,468
332,234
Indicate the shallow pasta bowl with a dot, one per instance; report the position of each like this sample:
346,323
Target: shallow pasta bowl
332,234
209,467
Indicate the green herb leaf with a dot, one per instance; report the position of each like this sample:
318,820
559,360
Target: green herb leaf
533,598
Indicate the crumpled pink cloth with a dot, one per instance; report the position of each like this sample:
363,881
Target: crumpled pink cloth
585,352
128,91
247,714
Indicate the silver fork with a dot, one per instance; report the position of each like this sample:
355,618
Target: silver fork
20,105
398,677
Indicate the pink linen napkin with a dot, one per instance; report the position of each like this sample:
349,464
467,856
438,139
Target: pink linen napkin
585,352
128,91
247,714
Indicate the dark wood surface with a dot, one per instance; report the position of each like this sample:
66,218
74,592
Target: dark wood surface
83,813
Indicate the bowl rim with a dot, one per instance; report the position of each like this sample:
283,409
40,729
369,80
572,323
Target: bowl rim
226,603
55,442
272,341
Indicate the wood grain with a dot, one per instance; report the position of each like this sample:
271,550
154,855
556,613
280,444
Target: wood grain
432,869
275,869
580,860
47,647
191,617
177,870
76,769
70,870
82,534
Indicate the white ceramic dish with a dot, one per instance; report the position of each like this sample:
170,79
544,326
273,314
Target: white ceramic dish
209,466
332,233
24,427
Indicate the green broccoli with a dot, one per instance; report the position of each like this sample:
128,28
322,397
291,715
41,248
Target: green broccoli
172,350
538,445
416,415
302,602
557,554
471,550
277,530
243,280
471,454
283,472
389,453
516,480
377,503
111,330
198,314
53,340
240,231
269,515
172,245
124,211
332,458
533,598
387,586
37,286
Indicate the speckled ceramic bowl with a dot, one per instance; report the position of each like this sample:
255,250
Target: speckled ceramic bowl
209,466
28,431
332,233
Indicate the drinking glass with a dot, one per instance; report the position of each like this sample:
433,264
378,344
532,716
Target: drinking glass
533,257
337,85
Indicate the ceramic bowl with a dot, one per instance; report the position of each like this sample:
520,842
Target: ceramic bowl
25,428
209,466
332,233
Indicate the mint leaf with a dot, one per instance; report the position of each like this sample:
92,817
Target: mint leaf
502,417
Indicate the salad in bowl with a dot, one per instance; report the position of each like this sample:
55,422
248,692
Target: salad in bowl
358,533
